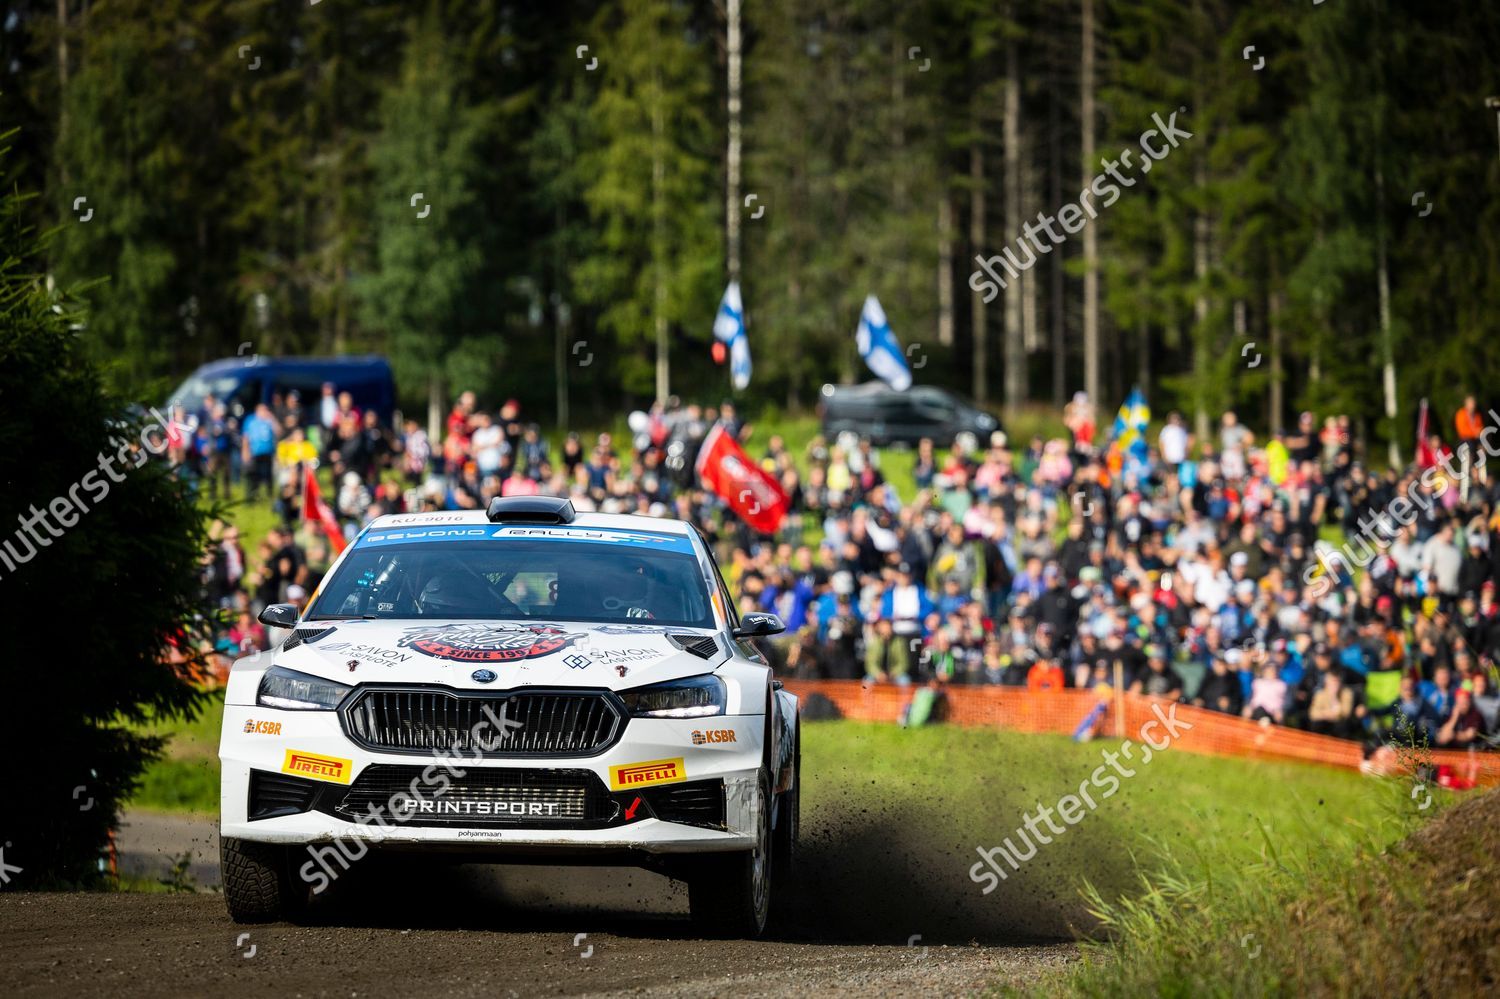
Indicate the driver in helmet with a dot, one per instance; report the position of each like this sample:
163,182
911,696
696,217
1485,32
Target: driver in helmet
456,594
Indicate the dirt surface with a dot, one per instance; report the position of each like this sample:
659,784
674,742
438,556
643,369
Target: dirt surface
1435,900
460,941
403,928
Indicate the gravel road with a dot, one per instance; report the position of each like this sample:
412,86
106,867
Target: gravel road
485,931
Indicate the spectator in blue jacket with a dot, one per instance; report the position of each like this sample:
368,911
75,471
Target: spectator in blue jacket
789,597
1438,692
259,436
1030,580
906,605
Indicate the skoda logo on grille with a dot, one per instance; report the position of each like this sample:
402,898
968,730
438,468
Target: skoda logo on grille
483,676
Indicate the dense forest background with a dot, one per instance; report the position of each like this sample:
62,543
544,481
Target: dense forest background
251,167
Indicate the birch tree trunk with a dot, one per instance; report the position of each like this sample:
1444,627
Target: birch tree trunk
732,160
1056,300
977,241
658,248
1200,313
1387,348
945,269
1091,230
1015,349
1273,333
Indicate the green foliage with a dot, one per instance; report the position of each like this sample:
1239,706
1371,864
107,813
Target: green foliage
429,292
173,784
132,118
652,194
186,777
1295,920
96,603
273,205
300,198
843,149
1298,171
180,879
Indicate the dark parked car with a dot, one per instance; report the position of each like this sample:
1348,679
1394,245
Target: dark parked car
886,416
243,382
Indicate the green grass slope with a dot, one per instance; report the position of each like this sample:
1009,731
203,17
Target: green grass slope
893,817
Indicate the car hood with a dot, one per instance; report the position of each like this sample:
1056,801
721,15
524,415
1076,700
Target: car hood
464,654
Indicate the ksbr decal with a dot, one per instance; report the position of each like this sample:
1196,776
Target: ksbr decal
330,768
254,727
714,735
632,775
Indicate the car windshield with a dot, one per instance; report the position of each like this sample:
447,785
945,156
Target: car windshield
484,572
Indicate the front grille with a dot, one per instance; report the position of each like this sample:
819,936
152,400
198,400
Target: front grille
481,797
696,803
427,720
274,795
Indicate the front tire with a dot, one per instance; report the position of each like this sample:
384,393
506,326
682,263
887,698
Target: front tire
259,884
789,815
729,894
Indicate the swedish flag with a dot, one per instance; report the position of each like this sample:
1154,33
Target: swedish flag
1128,436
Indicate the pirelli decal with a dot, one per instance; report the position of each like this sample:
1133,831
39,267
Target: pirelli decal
633,775
330,768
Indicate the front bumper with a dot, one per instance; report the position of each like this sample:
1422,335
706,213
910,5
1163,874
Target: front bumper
309,750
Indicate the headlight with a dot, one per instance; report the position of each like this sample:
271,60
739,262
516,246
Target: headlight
695,697
285,688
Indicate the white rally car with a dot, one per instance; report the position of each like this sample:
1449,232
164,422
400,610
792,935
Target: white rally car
525,683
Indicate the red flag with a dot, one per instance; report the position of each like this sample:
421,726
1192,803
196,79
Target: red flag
1426,458
753,495
314,509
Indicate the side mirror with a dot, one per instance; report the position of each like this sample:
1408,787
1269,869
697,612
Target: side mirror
279,615
759,625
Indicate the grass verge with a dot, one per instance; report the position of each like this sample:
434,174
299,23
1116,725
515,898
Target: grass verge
892,814
1414,915
186,778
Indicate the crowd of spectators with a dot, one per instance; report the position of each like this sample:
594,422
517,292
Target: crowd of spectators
1217,573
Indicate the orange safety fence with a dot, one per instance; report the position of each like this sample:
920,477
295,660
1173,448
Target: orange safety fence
210,673
1125,716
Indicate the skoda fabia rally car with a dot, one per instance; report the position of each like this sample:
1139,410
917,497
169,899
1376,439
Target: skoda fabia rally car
524,683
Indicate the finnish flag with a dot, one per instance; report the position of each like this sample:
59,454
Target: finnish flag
878,346
729,328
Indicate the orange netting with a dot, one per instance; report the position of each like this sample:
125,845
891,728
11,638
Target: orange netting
1124,716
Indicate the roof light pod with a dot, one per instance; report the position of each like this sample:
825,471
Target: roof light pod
531,510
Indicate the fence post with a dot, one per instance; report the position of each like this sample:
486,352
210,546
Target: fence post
1119,699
